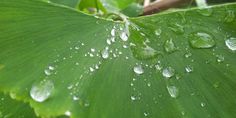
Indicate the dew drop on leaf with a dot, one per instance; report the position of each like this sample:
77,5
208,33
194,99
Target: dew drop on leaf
138,69
220,58
124,36
105,53
203,104
189,69
158,32
113,32
229,16
169,46
201,40
231,43
168,72
188,54
42,91
68,113
173,91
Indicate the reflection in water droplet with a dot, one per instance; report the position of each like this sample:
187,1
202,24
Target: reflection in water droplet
113,32
189,69
220,58
229,16
105,53
168,72
158,32
173,91
138,69
201,40
177,28
188,54
41,91
144,52
124,36
169,46
203,104
205,11
231,43
68,113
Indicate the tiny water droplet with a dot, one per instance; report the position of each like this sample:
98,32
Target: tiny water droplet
108,41
68,113
189,69
105,53
188,54
168,72
145,114
169,46
158,66
138,69
42,91
220,58
201,40
203,104
229,16
113,32
75,98
173,91
158,32
124,36
231,43
91,69
132,98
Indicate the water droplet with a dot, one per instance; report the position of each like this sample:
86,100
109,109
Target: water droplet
220,58
203,104
168,72
138,69
75,98
177,28
92,50
189,69
158,32
188,54
68,113
205,11
105,53
132,98
173,91
229,16
169,46
158,66
144,52
124,36
201,40
113,32
231,43
42,91
91,69
145,114
108,41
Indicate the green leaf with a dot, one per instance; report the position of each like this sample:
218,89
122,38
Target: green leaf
86,5
56,59
10,108
116,5
133,10
70,3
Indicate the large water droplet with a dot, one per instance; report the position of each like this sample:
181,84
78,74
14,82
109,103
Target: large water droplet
173,91
168,72
42,91
177,28
144,52
229,16
205,11
158,32
105,53
201,40
231,43
124,36
169,46
138,69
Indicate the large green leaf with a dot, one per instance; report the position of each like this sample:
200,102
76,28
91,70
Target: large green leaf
51,57
10,108
70,3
